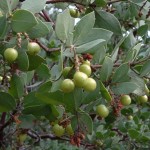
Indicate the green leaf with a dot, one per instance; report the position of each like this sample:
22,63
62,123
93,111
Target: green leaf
64,25
101,3
142,30
33,6
43,71
140,90
27,121
121,74
95,34
106,69
104,92
34,61
22,60
83,27
33,106
116,49
13,4
124,88
5,6
145,69
3,26
16,86
40,30
54,98
132,54
88,46
22,21
7,102
86,121
69,102
45,87
129,42
107,21
134,134
99,55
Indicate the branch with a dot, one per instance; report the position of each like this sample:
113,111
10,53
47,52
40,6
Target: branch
74,2
47,17
118,64
46,48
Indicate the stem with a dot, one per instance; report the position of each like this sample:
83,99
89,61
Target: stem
46,48
72,1
3,118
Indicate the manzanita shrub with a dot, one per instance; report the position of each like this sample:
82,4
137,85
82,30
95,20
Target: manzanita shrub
74,72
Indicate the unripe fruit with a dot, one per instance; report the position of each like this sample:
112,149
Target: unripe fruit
87,62
102,111
10,54
58,130
74,13
67,86
125,100
143,99
69,129
33,48
79,78
22,137
90,84
85,69
130,117
66,71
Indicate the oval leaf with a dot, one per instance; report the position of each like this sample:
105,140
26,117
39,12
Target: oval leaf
7,102
108,21
22,21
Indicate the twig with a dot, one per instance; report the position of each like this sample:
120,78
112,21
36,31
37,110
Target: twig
47,17
118,64
46,48
72,1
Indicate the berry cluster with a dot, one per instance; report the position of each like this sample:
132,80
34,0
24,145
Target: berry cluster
11,54
81,79
59,130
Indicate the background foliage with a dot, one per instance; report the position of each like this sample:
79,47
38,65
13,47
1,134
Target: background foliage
113,35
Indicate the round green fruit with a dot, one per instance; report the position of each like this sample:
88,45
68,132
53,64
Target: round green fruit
130,117
87,62
90,84
143,99
79,79
66,71
58,130
125,100
10,54
69,130
67,86
85,69
22,137
74,13
33,48
102,111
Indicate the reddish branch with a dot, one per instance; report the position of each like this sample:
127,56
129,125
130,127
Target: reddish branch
75,2
46,48
118,64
